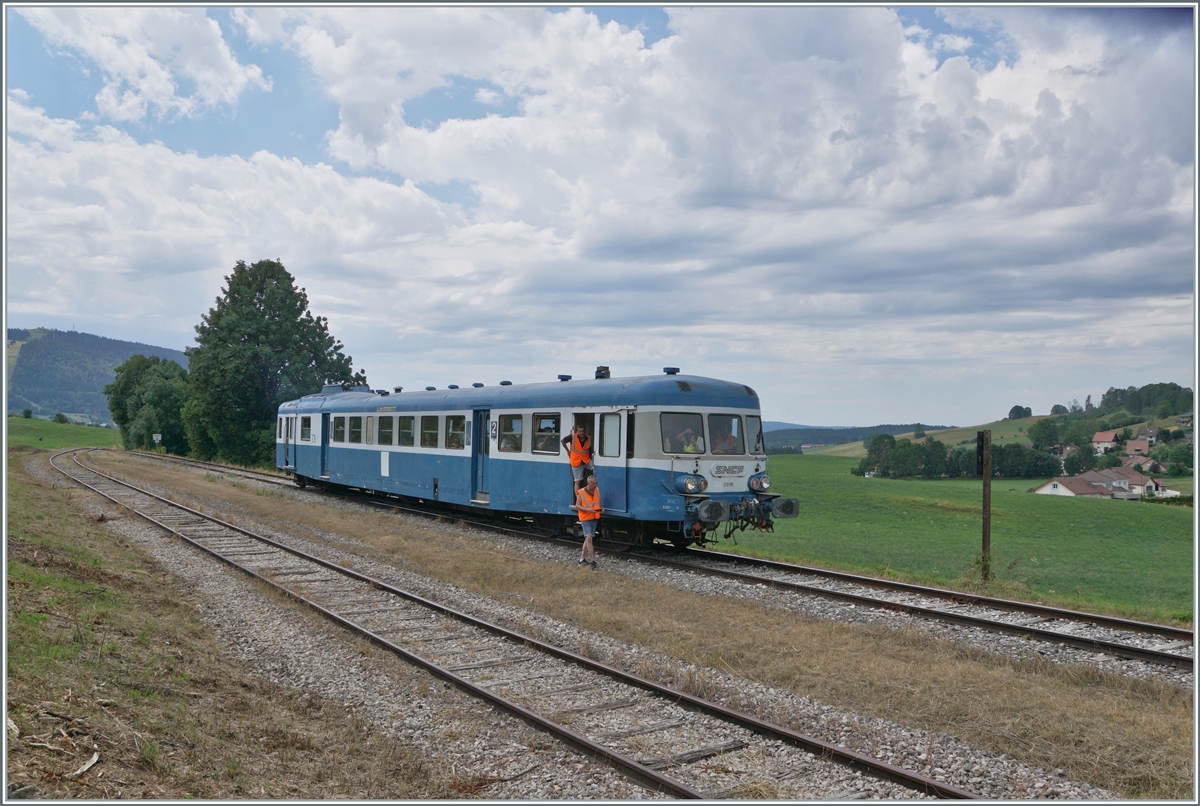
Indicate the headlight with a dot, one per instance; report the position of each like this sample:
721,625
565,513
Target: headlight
691,485
765,481
760,483
703,484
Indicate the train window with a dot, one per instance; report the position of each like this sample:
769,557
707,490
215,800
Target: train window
725,431
279,434
681,433
306,429
339,429
629,436
511,426
406,432
754,435
610,434
456,428
385,430
370,430
429,434
546,433
355,429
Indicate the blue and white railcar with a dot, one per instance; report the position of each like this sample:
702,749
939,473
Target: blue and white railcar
676,456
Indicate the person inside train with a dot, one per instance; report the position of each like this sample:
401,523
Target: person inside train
691,442
579,449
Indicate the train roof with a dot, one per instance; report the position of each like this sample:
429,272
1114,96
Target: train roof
649,390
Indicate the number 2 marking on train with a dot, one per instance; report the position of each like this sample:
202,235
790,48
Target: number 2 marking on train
494,427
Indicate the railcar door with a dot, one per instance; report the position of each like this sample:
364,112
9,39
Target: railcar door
612,460
480,450
325,444
289,442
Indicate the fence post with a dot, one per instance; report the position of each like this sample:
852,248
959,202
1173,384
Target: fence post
983,454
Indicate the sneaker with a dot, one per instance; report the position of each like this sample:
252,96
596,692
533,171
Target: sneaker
593,565
582,561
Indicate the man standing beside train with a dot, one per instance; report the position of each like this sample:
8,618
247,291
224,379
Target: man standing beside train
587,502
579,448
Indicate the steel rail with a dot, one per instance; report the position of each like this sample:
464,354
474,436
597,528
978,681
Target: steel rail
816,746
630,767
1041,611
959,597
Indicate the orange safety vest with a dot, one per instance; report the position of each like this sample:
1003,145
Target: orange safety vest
588,504
581,450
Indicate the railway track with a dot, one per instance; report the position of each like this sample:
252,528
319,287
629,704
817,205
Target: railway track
657,736
1105,635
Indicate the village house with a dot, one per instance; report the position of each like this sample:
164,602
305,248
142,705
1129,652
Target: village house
1121,483
1104,441
1147,464
1137,447
1184,419
1148,433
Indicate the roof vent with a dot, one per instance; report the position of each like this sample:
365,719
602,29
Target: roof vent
671,370
360,389
397,389
477,385
602,372
332,389
430,388
452,386
382,392
564,377
506,383
684,386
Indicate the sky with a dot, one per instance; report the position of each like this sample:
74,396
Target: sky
868,214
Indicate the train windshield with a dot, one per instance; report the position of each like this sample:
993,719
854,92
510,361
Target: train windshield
754,433
682,433
726,434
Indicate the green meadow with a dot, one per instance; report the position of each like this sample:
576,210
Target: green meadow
1119,557
52,436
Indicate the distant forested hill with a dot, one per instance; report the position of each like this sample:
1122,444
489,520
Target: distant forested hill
795,437
66,371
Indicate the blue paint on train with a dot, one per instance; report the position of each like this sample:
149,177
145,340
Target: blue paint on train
335,438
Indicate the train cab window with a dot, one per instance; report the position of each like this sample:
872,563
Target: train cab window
356,429
726,435
339,429
754,436
429,432
681,433
546,433
385,430
456,429
511,426
370,430
407,433
610,434
306,429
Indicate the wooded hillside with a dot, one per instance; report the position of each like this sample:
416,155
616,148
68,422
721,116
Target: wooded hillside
66,371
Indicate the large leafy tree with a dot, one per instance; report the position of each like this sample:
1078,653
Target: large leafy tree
147,398
260,346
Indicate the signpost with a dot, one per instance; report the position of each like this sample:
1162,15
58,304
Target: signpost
983,465
157,440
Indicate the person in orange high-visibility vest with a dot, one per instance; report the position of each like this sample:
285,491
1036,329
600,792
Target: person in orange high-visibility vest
579,449
587,501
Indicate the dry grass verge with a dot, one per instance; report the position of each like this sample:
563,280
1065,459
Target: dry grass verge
1124,735
106,654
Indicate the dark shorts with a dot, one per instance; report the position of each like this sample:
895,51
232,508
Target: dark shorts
589,527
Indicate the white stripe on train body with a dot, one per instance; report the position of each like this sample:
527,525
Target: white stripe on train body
676,456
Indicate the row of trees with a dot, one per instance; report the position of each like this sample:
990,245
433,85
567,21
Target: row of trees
903,458
258,347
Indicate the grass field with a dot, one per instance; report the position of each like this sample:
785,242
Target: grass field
1112,556
52,436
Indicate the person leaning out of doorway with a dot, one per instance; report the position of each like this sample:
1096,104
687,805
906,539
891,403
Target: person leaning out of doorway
579,448
587,501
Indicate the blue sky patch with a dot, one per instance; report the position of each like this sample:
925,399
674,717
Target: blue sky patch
464,99
652,22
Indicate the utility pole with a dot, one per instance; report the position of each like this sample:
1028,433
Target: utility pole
983,464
